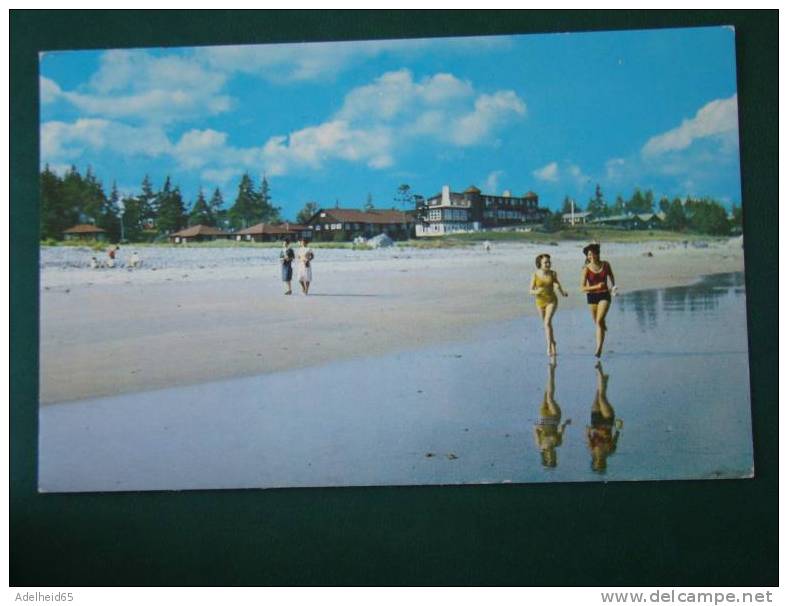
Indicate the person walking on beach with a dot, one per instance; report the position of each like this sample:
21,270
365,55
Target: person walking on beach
304,257
596,276
113,250
600,435
286,257
543,284
548,430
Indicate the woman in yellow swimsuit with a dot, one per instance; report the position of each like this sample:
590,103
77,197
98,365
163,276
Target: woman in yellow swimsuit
543,284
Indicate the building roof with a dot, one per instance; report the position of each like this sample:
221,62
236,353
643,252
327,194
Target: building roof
84,229
374,216
577,215
200,230
617,218
473,190
268,228
530,194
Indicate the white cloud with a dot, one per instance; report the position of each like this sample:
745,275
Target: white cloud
313,146
719,118
396,95
285,63
63,141
577,175
491,182
145,89
548,172
490,111
49,90
221,176
393,111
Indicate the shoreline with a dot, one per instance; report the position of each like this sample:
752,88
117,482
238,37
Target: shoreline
133,332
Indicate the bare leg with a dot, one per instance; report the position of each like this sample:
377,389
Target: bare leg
550,405
593,309
306,288
603,406
601,326
549,312
303,286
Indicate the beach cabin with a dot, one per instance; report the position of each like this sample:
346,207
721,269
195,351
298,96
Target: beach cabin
621,221
198,233
651,220
85,232
266,232
576,218
344,224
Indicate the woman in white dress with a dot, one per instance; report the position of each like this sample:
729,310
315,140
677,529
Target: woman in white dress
304,256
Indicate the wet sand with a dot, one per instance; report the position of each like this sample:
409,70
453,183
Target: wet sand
117,332
676,389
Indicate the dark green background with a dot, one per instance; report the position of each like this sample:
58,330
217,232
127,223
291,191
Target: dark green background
645,533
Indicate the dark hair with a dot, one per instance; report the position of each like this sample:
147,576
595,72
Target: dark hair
286,240
594,246
539,259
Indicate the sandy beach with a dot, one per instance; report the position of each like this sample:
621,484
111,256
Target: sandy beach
200,315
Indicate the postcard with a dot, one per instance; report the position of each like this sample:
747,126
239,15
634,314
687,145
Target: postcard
504,259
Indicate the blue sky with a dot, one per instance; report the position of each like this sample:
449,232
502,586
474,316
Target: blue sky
328,122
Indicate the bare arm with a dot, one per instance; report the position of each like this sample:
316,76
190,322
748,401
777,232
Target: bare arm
610,274
533,290
558,284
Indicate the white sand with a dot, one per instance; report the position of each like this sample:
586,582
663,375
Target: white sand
201,314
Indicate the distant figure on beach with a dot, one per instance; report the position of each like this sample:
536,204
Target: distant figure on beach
594,282
487,245
286,257
304,257
135,261
94,263
601,437
111,252
548,430
543,283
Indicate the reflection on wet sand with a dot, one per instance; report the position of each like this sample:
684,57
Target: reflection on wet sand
705,296
601,437
548,430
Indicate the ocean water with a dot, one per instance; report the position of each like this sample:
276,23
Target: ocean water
669,400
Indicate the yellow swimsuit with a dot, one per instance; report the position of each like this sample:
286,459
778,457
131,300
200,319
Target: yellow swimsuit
547,297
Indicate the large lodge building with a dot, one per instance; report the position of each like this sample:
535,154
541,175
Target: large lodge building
453,212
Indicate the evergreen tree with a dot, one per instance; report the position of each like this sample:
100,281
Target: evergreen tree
148,203
368,206
56,215
566,208
216,206
736,219
664,204
675,218
708,217
597,205
172,213
109,214
246,211
201,212
636,203
132,219
619,206
648,202
306,213
267,212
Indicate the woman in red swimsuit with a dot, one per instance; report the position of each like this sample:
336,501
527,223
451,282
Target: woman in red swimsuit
594,282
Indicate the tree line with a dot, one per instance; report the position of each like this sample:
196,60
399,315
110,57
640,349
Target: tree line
704,215
150,214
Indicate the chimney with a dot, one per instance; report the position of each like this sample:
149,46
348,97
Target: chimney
445,198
